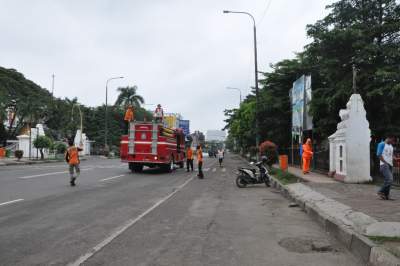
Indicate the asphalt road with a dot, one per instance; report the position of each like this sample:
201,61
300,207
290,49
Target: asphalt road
113,217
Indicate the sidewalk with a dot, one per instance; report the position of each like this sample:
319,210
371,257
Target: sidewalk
24,161
369,227
360,197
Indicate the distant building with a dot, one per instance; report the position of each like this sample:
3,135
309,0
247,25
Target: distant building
197,139
216,135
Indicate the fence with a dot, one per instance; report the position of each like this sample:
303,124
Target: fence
320,161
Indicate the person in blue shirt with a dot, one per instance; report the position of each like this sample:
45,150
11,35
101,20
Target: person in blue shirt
385,155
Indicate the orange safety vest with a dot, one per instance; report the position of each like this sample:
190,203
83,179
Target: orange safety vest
73,155
199,155
307,151
189,154
129,115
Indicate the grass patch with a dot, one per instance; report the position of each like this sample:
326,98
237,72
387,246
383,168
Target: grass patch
383,239
284,177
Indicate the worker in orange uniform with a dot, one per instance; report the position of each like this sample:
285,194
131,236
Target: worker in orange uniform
189,159
307,156
72,158
199,154
129,114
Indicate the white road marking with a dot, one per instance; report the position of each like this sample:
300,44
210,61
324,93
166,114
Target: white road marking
214,169
124,227
223,169
110,178
47,174
206,169
10,202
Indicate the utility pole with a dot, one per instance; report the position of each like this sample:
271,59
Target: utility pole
106,114
52,85
354,79
257,128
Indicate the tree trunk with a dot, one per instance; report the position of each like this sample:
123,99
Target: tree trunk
41,154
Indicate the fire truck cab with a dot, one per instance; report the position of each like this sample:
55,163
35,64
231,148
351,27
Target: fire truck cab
153,145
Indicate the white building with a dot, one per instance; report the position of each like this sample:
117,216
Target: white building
216,135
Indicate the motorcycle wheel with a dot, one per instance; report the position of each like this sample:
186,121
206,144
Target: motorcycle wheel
240,182
267,182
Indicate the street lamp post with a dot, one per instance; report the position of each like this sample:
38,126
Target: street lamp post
255,71
240,93
106,113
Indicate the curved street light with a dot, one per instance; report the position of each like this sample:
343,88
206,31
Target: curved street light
255,70
106,113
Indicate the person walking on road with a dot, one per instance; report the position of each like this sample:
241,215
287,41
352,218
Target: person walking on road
72,158
307,156
189,159
220,157
385,155
199,154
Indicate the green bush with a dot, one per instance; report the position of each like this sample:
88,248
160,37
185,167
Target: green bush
283,176
18,154
60,148
42,142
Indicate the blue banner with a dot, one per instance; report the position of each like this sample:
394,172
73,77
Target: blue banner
185,126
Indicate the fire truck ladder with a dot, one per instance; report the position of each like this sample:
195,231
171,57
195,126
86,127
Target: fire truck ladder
131,138
154,138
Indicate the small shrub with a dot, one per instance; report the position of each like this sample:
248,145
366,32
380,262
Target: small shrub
60,148
18,154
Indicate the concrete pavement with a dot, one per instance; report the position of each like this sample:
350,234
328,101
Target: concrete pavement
114,217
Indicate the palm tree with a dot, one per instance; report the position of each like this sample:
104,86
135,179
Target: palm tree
127,96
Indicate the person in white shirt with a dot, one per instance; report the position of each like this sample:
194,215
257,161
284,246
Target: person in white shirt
385,155
220,156
159,114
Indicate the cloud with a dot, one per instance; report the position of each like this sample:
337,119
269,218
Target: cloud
180,53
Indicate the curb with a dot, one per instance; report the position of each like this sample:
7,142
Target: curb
359,245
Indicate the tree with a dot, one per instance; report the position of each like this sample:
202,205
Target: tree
365,33
128,96
42,142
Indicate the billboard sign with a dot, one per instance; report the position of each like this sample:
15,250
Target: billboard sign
185,125
297,106
301,99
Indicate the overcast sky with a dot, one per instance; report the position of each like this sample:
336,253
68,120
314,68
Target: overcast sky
180,53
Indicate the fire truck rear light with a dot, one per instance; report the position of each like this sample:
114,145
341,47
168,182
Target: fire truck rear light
155,157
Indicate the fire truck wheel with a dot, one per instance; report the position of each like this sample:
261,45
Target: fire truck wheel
137,168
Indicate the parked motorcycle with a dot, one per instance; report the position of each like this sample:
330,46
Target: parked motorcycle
247,176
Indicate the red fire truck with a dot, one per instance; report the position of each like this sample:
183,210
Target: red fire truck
151,144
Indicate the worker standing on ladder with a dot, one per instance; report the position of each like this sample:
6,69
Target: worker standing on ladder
159,114
129,115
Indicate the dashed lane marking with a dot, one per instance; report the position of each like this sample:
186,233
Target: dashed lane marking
214,170
125,226
110,178
47,174
10,202
223,169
